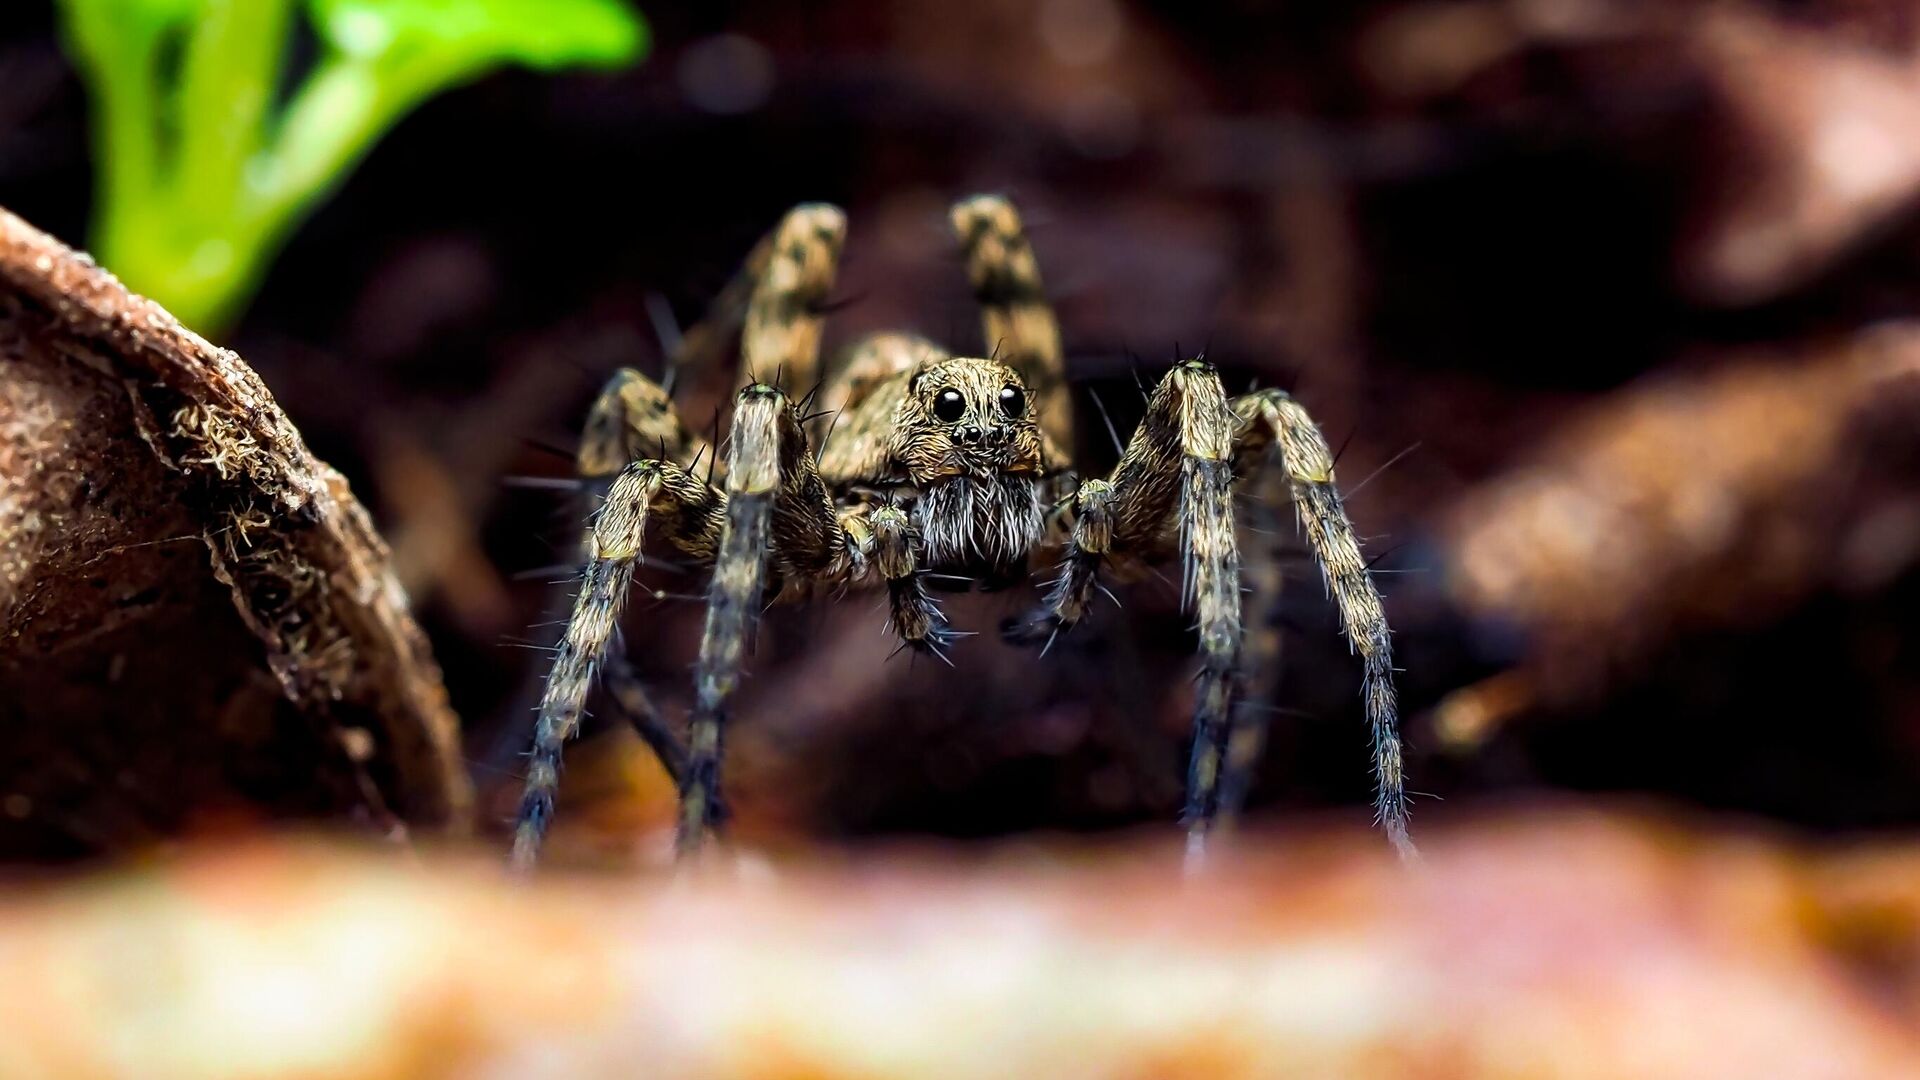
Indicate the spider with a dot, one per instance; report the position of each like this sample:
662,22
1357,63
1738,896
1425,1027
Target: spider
936,464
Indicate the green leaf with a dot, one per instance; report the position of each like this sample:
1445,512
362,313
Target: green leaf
117,45
387,56
542,34
201,178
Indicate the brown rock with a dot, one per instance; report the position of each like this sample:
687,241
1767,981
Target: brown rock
196,617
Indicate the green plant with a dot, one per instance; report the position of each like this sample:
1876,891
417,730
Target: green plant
204,169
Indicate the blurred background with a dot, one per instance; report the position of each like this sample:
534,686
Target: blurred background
1604,303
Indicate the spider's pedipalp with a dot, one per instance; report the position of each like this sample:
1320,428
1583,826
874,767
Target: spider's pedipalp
1273,423
912,613
1071,594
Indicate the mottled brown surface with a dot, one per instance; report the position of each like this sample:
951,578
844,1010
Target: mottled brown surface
196,619
1712,499
1560,945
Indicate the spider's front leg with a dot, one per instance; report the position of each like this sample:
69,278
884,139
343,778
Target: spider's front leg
772,306
784,316
1274,430
1176,471
634,419
778,513
647,495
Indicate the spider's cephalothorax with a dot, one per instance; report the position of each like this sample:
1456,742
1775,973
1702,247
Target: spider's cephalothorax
936,466
963,435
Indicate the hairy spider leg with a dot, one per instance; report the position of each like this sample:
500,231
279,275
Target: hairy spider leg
1275,428
778,517
780,343
1021,330
647,494
634,419
1177,469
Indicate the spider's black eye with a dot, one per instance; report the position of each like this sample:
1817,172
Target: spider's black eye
949,406
1013,402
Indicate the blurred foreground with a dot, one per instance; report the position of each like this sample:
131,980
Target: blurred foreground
1558,944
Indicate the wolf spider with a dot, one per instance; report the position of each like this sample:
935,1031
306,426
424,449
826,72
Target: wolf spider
939,464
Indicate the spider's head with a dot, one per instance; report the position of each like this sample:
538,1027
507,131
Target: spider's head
965,433
966,417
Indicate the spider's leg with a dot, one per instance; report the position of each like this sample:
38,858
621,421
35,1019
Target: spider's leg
1177,469
777,512
781,341
1020,328
629,694
647,494
702,345
1261,641
633,419
1274,426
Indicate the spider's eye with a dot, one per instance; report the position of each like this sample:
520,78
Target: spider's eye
1013,402
949,406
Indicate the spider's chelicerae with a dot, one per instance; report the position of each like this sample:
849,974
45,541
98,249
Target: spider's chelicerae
934,463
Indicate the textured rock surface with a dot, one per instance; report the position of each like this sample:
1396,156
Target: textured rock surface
197,623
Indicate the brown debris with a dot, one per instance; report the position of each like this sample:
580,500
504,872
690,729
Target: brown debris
196,616
1714,498
1554,945
1817,156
